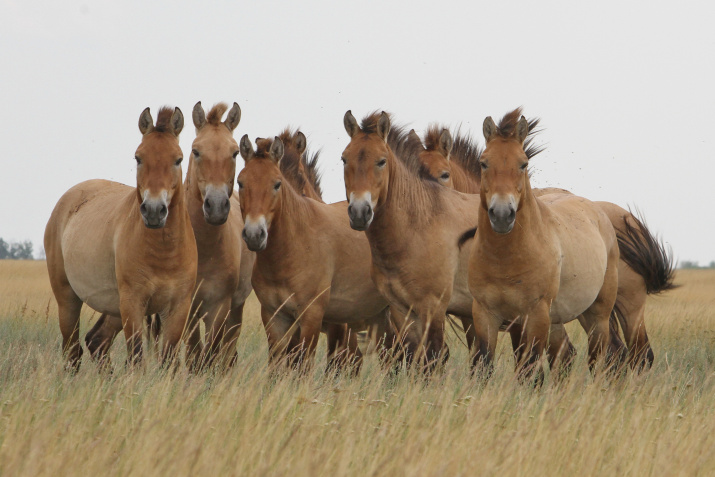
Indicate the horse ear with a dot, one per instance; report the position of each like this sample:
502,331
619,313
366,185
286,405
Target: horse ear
350,123
198,116
146,123
233,118
246,148
177,121
445,143
300,142
489,129
383,126
276,151
415,137
522,129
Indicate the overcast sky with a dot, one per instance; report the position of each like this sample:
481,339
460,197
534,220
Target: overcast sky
625,90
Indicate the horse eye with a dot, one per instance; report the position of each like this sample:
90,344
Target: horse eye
139,161
523,166
382,162
178,161
277,186
240,184
195,153
344,161
483,165
445,176
235,155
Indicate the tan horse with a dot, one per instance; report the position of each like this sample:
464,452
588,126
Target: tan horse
536,261
299,167
413,226
644,268
310,266
139,257
219,295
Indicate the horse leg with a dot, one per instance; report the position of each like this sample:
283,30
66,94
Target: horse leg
100,338
174,325
436,349
343,350
596,318
561,353
534,340
132,313
310,321
468,327
217,319
630,310
232,332
69,306
409,332
194,351
279,331
515,330
486,330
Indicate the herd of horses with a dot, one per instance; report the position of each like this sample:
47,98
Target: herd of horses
433,227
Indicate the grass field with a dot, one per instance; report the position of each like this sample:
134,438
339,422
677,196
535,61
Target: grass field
248,422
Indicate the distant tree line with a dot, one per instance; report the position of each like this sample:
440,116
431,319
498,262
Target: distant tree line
694,264
16,250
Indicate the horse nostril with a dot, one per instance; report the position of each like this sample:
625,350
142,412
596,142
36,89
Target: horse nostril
262,234
226,204
512,214
207,204
350,209
142,209
163,211
244,234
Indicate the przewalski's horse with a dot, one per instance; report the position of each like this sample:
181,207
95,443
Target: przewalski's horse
310,266
218,297
536,261
127,251
645,267
300,169
413,225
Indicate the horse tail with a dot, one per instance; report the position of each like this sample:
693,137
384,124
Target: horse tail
646,254
468,235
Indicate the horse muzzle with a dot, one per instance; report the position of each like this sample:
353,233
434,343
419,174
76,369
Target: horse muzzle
255,234
154,212
216,207
502,215
360,214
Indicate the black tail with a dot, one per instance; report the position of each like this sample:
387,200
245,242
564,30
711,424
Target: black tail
646,255
469,234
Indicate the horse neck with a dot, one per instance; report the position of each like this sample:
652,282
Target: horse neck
407,203
528,227
288,225
462,180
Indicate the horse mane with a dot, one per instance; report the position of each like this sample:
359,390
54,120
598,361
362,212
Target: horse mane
290,164
216,113
465,151
263,148
310,160
507,128
163,119
406,148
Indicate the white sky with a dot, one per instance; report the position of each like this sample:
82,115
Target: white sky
625,90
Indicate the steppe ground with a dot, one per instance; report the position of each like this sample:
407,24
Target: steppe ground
249,422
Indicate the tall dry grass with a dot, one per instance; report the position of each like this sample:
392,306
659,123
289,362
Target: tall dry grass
249,422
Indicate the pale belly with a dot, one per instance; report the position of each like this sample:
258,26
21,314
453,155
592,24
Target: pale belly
89,265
